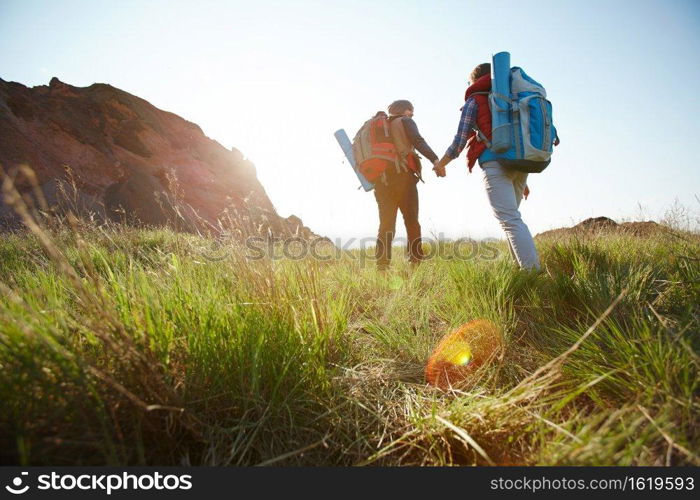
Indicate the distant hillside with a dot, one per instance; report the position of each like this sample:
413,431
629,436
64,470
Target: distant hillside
604,224
122,150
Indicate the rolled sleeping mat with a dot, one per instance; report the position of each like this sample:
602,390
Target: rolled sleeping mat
342,137
500,103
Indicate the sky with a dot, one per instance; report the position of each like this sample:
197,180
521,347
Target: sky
276,79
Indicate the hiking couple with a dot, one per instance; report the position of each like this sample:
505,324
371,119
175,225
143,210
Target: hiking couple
396,189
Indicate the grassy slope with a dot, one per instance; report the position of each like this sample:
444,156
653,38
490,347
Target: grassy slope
130,347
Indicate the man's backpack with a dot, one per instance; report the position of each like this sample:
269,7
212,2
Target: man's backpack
373,148
525,142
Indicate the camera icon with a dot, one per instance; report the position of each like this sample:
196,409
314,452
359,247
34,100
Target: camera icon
17,483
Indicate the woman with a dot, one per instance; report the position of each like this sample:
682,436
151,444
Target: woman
505,186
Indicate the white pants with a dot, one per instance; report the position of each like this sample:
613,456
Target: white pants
504,187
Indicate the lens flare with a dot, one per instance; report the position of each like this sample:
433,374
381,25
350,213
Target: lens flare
457,352
462,351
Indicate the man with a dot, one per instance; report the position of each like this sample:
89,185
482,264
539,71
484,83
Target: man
396,189
505,186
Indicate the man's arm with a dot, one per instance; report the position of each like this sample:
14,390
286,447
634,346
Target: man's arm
417,140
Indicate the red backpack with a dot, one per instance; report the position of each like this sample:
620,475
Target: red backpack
373,148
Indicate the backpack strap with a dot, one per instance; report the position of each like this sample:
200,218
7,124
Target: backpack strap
493,101
400,139
481,137
419,175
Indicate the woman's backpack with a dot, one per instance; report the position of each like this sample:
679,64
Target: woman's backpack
525,139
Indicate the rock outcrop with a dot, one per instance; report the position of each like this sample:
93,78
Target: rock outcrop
143,200
130,160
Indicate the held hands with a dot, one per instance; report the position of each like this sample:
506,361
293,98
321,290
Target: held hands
439,167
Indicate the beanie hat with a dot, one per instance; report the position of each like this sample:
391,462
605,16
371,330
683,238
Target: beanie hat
397,108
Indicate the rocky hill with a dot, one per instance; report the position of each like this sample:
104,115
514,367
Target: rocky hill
129,160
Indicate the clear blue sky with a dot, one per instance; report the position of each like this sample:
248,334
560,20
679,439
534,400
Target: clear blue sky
276,79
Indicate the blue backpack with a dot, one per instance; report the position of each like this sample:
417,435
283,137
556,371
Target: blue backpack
525,139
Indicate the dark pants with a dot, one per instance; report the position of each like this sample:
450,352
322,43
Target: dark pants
400,193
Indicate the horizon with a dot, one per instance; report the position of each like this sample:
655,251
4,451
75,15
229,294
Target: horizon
618,167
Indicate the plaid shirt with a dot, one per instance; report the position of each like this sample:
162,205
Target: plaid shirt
466,124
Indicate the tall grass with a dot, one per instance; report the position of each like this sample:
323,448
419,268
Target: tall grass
128,346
